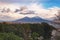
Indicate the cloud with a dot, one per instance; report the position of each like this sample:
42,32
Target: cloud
18,1
24,1
10,16
42,12
38,9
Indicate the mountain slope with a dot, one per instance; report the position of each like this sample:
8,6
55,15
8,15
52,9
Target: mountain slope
33,19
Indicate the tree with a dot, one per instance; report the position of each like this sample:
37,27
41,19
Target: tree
25,28
58,15
35,36
57,18
37,30
9,36
47,31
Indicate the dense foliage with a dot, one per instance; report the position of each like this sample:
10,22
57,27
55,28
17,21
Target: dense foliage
9,36
25,31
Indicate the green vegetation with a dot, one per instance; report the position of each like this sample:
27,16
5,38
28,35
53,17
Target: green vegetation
9,36
11,31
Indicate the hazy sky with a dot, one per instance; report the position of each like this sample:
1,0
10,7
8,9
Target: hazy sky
43,8
46,3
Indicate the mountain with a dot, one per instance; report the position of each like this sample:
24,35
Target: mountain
32,20
37,20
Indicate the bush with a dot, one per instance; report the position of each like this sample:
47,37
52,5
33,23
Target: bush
9,36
